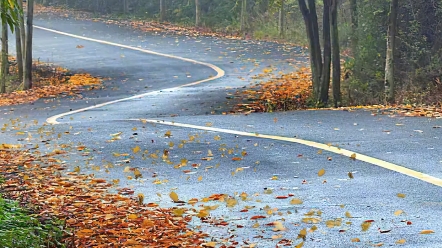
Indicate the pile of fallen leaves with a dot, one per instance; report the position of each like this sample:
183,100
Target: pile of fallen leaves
287,92
48,82
93,216
292,91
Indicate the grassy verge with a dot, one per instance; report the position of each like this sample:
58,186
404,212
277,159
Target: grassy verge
20,228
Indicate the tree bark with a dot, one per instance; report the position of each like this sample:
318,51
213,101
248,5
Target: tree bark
336,59
126,7
22,32
391,47
325,77
243,15
197,13
311,25
354,26
4,65
162,10
19,52
28,61
281,21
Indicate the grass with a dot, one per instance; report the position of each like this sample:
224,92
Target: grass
20,228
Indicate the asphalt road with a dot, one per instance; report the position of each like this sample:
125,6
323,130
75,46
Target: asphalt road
271,168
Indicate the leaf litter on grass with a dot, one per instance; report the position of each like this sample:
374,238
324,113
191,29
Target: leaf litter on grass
93,216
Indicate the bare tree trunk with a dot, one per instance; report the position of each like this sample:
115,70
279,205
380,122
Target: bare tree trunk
19,52
4,65
28,61
162,10
243,15
281,22
311,25
22,32
354,26
325,78
335,55
125,7
197,13
391,47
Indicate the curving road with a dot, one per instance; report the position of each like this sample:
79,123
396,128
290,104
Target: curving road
275,165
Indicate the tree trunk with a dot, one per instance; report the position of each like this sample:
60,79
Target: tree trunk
243,15
391,47
162,10
325,78
311,25
197,13
22,32
19,52
28,61
335,54
4,65
354,26
281,22
126,7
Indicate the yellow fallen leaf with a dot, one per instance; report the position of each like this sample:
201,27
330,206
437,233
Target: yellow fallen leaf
401,241
278,226
321,172
200,178
296,201
398,212
173,196
365,226
355,240
132,216
300,245
426,232
136,149
353,156
348,215
400,195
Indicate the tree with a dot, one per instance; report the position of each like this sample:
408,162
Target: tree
27,74
319,65
391,47
197,13
335,54
281,19
243,15
162,10
9,17
325,77
4,58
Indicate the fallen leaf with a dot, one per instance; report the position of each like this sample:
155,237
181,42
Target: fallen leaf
426,232
174,196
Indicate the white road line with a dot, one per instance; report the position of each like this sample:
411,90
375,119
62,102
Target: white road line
220,73
357,156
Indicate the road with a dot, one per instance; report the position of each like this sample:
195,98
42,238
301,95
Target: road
270,166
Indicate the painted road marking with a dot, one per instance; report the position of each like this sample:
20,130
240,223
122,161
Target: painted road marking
361,157
219,73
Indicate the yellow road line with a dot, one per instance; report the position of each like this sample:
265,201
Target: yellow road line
361,157
219,73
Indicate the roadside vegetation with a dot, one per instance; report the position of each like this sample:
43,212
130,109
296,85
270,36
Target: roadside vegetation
20,228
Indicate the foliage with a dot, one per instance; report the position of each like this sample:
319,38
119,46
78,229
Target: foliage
10,12
20,229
